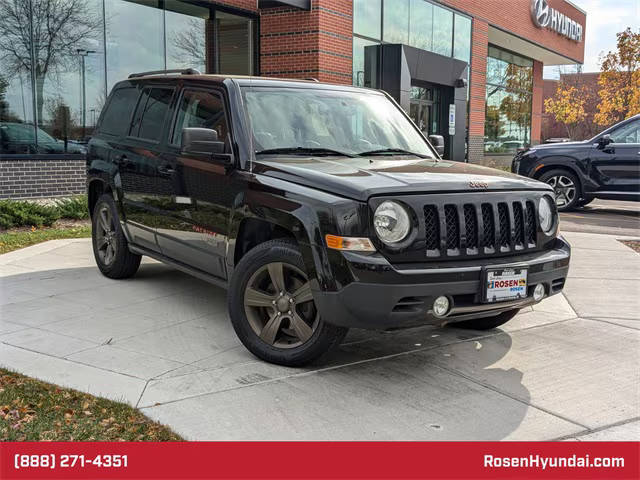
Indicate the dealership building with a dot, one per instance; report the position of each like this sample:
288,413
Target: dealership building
468,70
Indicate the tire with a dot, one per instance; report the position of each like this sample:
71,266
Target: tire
567,187
110,247
486,323
268,330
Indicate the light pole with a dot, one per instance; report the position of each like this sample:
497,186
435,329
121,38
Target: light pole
83,54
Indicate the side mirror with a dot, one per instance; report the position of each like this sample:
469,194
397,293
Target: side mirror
202,141
604,140
438,143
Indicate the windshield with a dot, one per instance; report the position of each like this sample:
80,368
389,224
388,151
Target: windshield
336,122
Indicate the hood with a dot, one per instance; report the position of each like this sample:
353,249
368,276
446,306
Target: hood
360,178
559,147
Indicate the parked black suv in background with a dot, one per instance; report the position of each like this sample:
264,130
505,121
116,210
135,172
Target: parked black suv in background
320,207
607,166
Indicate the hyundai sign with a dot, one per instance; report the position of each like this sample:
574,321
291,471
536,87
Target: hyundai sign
545,16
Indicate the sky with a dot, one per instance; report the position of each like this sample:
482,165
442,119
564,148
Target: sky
605,18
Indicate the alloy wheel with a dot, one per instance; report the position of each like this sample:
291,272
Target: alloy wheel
564,189
279,305
106,236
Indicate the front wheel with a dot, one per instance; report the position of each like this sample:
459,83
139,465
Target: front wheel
272,308
566,187
486,323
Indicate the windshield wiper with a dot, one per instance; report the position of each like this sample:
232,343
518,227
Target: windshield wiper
384,151
304,151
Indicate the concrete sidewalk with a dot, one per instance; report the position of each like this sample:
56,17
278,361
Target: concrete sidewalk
568,368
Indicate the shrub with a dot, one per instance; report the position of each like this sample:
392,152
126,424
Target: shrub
26,214
15,213
76,208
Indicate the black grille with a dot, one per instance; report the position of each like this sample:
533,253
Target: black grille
531,223
505,227
489,225
453,227
432,224
471,226
518,223
446,224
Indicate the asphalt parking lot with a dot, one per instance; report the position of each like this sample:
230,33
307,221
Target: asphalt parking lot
604,216
564,369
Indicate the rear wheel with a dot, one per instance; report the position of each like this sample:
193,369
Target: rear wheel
272,308
110,247
566,187
486,323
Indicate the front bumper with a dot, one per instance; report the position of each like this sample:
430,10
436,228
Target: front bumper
385,297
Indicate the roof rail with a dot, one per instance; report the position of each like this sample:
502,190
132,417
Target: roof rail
182,71
311,79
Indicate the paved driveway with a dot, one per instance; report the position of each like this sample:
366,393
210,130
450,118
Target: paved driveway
162,341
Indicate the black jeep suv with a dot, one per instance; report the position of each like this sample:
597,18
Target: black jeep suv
606,166
319,207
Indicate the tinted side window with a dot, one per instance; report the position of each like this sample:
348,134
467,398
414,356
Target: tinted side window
151,113
115,120
202,110
630,133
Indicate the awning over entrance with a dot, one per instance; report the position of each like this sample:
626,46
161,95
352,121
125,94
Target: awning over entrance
523,47
303,4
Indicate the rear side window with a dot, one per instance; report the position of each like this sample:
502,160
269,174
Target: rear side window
116,118
151,113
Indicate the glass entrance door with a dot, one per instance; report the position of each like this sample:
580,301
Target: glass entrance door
425,109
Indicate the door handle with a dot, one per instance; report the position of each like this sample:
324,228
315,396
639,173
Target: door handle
166,170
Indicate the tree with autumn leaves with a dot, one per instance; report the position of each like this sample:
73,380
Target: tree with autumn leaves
618,89
620,81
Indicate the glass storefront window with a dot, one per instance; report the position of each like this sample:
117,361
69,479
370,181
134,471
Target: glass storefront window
185,37
51,103
508,102
133,45
442,30
396,21
51,85
421,25
462,38
234,44
367,18
359,45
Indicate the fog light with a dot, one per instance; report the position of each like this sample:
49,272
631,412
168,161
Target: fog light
538,292
441,306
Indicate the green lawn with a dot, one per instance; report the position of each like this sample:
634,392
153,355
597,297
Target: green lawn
31,410
15,239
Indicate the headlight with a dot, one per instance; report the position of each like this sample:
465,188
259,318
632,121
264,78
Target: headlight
391,222
545,215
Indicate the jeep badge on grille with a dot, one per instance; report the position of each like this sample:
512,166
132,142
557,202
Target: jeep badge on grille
478,185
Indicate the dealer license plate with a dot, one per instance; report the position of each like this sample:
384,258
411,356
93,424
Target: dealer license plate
505,284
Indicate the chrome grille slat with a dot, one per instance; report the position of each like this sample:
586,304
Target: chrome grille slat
479,229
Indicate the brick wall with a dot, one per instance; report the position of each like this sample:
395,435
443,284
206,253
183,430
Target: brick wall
477,89
308,44
536,108
42,177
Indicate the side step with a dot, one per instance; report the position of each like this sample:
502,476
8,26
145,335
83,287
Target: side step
207,277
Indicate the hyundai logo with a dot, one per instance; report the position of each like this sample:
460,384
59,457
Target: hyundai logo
544,16
540,13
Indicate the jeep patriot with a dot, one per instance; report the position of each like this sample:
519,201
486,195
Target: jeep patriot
319,207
